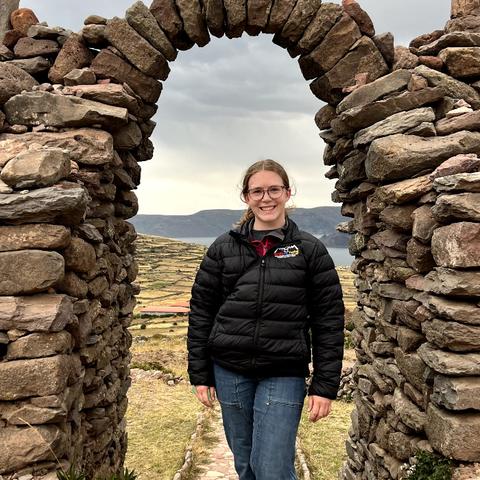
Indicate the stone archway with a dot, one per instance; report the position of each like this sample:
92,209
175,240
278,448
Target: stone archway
70,154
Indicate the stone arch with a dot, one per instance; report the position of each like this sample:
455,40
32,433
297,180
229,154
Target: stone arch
401,132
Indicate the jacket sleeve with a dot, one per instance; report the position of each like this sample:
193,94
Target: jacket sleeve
326,311
204,304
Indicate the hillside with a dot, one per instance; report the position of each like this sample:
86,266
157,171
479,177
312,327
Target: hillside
320,221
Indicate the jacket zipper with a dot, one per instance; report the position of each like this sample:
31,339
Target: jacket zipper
261,283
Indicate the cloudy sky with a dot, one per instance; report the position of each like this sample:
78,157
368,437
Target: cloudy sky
233,102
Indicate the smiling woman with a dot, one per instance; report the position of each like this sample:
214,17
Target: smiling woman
402,139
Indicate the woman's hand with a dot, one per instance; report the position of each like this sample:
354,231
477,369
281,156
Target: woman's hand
318,407
205,394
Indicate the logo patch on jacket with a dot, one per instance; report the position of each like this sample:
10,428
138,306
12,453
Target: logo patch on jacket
286,252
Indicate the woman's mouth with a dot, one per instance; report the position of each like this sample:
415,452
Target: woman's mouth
267,209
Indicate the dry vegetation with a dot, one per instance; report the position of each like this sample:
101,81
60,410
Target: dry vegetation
161,418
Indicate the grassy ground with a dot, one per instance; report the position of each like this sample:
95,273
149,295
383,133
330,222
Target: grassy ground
160,418
323,442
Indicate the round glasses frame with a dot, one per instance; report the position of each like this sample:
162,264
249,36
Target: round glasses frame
274,192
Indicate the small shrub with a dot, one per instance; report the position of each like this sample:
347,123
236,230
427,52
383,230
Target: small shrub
143,326
70,474
429,466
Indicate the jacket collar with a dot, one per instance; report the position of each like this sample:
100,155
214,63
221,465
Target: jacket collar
290,230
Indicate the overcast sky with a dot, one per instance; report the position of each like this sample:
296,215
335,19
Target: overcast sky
234,102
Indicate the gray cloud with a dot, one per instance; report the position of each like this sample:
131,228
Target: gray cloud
234,102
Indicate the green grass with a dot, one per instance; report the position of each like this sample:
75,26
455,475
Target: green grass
323,442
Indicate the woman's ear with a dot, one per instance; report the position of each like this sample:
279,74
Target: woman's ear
289,193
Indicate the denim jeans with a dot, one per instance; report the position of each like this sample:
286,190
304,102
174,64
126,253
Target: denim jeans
260,418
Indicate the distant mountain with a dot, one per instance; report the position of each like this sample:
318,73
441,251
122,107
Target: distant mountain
320,221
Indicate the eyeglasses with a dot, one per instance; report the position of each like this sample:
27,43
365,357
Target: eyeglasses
274,192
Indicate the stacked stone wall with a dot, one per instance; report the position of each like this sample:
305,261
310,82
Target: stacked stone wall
402,138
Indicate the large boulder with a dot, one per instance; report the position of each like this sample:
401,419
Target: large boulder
13,80
461,61
22,19
6,9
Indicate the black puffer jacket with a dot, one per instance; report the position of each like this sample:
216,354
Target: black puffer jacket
261,315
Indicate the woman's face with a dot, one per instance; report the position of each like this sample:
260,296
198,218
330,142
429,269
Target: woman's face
269,212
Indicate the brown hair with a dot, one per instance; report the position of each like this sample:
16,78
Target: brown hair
261,165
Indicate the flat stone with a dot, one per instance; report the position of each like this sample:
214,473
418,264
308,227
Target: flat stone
109,93
166,14
457,245
215,16
371,92
461,393
136,49
360,16
467,182
454,435
108,65
451,335
301,16
424,223
21,448
37,377
22,19
419,256
32,65
459,311
127,137
446,281
236,17
194,23
142,20
392,290
461,62
333,48
80,256
461,206
404,59
46,32
35,313
38,345
94,35
468,121
461,8
458,164
396,123
404,191
73,285
36,236
29,271
324,20
453,39
363,57
409,340
324,117
450,363
360,117
44,108
81,76
412,367
13,80
400,156
86,145
279,14
37,168
468,23
410,414
385,43
29,47
425,129
6,9
399,217
74,54
63,203
258,12
451,87
391,239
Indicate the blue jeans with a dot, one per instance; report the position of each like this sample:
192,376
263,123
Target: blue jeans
260,418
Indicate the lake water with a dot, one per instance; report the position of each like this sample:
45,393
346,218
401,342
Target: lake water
340,256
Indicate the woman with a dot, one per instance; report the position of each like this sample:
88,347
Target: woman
265,300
